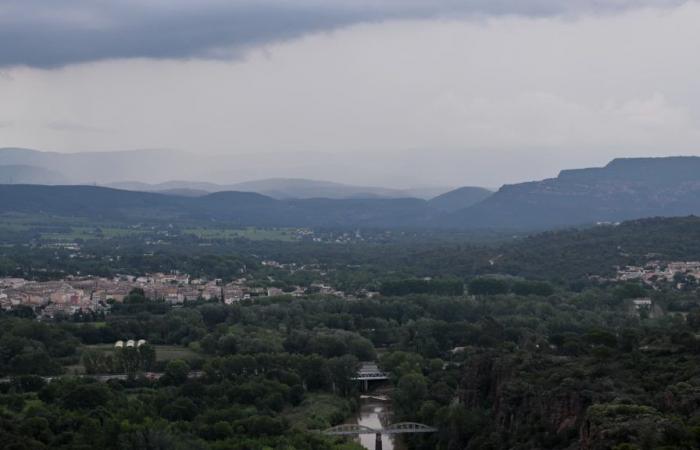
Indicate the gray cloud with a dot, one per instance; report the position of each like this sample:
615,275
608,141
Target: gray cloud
41,34
67,125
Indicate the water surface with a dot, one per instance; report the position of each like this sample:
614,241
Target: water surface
375,412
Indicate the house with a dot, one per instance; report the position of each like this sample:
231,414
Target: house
642,303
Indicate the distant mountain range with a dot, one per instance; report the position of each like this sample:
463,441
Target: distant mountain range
21,174
282,188
624,189
147,167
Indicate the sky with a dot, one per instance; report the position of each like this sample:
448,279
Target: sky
386,92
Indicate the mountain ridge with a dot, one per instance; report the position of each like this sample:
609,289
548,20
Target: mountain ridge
625,189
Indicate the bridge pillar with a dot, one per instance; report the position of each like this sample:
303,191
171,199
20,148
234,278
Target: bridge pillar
378,441
366,386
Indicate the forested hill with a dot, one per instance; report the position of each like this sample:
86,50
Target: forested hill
563,256
572,254
234,208
625,189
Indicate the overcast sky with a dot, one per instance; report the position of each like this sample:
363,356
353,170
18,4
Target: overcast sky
397,92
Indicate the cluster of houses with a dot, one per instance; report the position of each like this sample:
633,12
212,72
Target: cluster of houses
74,295
656,271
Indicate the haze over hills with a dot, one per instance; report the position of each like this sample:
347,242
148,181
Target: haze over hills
23,174
624,189
159,167
178,172
460,198
282,188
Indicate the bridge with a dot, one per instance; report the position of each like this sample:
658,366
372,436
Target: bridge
352,429
395,428
369,371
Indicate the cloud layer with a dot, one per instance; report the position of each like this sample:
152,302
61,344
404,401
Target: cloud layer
394,102
51,33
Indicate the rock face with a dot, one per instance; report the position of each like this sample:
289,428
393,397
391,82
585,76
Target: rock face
624,189
558,402
608,425
518,405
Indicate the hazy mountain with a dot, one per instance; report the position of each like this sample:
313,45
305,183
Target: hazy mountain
184,192
624,189
302,188
22,174
155,170
459,198
106,167
283,188
222,172
168,186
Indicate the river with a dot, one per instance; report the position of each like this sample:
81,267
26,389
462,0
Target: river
375,412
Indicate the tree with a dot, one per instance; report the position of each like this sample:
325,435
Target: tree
176,372
135,297
147,356
488,286
342,369
129,361
409,394
87,396
96,361
629,290
540,288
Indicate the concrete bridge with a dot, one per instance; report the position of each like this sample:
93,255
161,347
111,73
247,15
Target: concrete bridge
369,371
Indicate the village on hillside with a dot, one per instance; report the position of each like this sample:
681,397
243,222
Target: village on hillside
653,273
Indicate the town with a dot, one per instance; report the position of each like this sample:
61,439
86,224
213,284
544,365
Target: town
89,294
654,273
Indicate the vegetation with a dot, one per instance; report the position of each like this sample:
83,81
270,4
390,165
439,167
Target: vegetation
504,354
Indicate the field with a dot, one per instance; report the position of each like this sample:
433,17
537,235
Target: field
69,229
253,234
63,229
163,352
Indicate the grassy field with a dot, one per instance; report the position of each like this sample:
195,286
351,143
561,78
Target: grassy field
163,352
63,229
86,233
67,229
254,234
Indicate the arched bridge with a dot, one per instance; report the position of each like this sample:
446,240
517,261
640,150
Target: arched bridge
395,428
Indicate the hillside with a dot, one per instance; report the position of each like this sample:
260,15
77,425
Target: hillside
460,198
238,208
23,174
106,167
282,188
625,189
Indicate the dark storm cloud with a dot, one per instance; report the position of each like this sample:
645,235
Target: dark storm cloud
53,33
